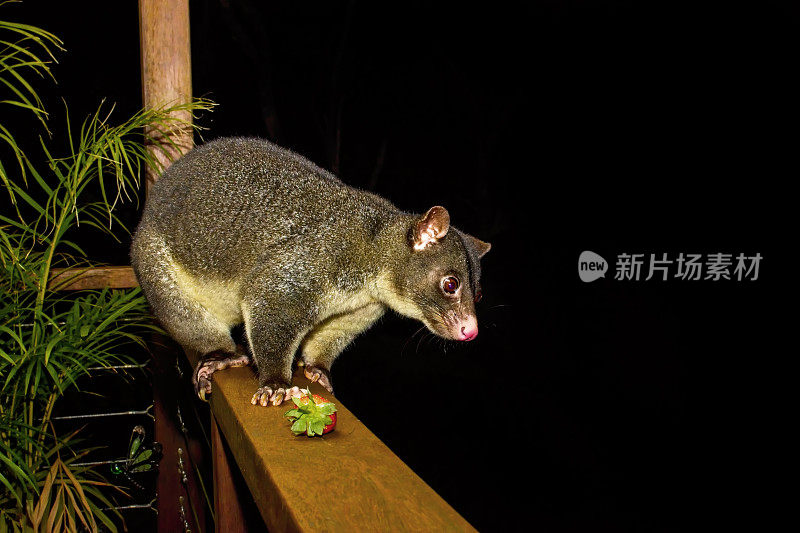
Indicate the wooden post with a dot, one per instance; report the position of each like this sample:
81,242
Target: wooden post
166,81
177,478
230,515
166,68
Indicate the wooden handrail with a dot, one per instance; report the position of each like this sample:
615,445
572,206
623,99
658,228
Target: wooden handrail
74,279
347,480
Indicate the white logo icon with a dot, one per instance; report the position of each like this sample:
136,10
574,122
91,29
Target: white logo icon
591,266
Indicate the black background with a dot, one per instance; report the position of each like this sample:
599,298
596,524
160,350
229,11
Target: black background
546,128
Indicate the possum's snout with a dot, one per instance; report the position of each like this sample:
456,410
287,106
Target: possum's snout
458,329
468,335
466,329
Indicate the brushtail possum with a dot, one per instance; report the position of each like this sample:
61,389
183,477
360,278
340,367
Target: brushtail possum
241,231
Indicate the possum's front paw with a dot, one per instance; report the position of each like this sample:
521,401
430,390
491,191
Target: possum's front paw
275,393
201,379
319,375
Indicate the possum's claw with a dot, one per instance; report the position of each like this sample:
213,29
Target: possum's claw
201,379
320,375
266,395
278,396
293,392
202,385
262,396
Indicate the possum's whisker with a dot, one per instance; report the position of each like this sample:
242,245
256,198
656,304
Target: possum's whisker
409,339
421,338
432,339
426,339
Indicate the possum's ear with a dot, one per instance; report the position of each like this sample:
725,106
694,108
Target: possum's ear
430,227
480,247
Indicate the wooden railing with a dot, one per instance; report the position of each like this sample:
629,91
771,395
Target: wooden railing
112,277
347,480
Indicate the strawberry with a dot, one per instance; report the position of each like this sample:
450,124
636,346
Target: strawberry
312,415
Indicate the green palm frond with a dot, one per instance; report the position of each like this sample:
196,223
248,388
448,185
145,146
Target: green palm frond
25,51
50,339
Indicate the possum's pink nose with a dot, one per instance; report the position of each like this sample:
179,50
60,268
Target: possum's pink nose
468,329
468,335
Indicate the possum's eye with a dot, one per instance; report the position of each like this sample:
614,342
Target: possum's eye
450,284
478,296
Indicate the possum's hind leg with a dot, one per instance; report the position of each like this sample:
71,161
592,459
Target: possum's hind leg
188,321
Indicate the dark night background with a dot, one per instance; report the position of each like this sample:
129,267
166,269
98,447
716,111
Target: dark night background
547,128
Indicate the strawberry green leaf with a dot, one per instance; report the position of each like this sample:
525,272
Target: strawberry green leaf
293,413
316,426
299,426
